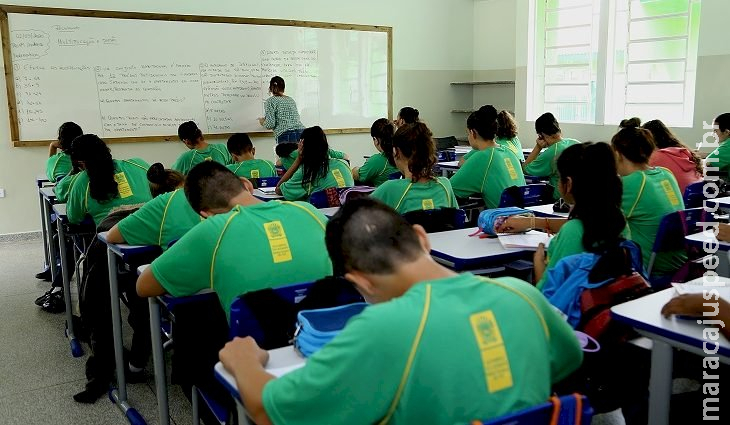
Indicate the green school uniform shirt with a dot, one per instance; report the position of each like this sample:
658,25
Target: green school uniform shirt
649,196
160,221
63,186
376,170
133,190
720,157
249,248
568,241
546,164
253,168
287,161
404,196
58,166
476,358
338,175
488,172
281,115
213,152
513,145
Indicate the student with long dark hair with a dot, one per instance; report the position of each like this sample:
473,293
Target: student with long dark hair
313,170
380,166
407,115
415,155
199,149
281,114
673,155
493,168
59,163
720,157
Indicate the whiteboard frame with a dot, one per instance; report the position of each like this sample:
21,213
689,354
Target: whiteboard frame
29,10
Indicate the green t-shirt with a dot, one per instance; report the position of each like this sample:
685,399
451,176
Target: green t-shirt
488,172
160,221
213,152
489,347
649,196
719,158
58,166
404,196
338,175
546,164
133,191
63,186
287,161
253,168
376,170
249,248
568,241
513,145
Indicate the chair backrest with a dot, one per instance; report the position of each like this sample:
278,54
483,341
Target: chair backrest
675,226
395,176
693,195
571,409
527,196
438,220
265,181
443,143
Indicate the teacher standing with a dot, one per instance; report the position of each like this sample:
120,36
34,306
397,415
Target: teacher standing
282,115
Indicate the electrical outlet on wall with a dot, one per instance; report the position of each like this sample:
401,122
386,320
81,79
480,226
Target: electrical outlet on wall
2,192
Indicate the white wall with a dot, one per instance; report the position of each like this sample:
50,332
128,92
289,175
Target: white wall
432,45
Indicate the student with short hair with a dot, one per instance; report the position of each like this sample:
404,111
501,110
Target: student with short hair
164,219
245,163
544,163
199,149
649,193
406,115
377,169
719,159
314,169
435,346
281,114
673,155
494,167
415,155
59,164
243,245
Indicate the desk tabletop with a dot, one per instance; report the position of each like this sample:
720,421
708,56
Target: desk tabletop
125,250
141,269
547,210
40,179
701,238
48,193
724,202
452,165
457,249
60,210
329,212
258,193
644,315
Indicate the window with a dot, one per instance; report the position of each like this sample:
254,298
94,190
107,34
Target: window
599,61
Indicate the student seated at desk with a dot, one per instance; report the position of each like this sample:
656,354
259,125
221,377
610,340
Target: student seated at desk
406,115
289,152
436,347
550,138
199,150
314,169
649,193
245,164
415,155
59,163
377,169
164,219
673,155
588,181
506,137
719,159
490,170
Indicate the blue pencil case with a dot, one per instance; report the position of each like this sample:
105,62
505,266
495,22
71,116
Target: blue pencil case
315,328
490,220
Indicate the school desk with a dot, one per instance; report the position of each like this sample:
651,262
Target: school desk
448,167
723,251
127,254
644,315
329,212
47,197
723,202
281,361
547,211
258,193
41,180
461,252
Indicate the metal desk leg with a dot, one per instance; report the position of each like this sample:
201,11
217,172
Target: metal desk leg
660,386
158,359
51,245
76,349
445,172
44,229
119,395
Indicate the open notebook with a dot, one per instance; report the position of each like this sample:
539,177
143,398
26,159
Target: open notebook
529,240
268,189
697,286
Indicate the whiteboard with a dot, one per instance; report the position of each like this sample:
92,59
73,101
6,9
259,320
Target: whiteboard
141,78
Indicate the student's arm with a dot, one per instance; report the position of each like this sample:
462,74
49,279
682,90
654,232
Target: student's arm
539,261
539,166
148,285
114,236
539,145
76,207
53,148
523,224
338,155
708,305
288,175
356,173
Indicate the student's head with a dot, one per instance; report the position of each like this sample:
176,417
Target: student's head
406,115
369,243
482,125
315,156
240,146
93,156
414,151
382,132
190,134
211,188
589,181
633,146
67,132
276,86
548,128
162,180
506,125
664,138
284,150
630,122
723,127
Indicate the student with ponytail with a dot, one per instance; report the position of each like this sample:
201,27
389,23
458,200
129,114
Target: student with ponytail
407,115
380,166
493,168
673,155
199,149
506,137
414,152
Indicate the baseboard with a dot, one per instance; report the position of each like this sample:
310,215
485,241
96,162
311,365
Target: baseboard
20,237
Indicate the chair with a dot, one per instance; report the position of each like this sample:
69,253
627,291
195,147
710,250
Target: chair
527,196
443,143
438,220
395,176
566,410
265,181
694,196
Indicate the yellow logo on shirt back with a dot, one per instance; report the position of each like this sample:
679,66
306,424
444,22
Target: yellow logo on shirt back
338,178
255,174
669,191
427,204
510,169
279,244
494,355
208,158
125,190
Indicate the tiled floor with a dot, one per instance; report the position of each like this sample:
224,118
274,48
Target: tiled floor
38,375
